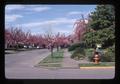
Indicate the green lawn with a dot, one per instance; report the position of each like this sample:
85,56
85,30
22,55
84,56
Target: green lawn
53,61
97,65
50,64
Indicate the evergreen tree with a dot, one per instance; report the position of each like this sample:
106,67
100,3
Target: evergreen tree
102,17
101,27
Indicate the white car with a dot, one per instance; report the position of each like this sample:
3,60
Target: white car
25,46
38,47
30,46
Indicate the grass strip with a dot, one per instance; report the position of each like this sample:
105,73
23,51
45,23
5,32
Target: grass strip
103,64
53,61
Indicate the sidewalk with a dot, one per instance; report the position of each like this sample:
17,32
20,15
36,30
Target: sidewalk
68,62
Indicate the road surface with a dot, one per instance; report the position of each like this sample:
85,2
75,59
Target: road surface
21,66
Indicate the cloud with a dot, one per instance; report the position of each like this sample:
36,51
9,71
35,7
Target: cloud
56,21
14,7
27,8
12,18
74,13
40,9
62,25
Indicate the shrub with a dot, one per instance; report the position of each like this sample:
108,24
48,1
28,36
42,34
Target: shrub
78,53
109,56
76,45
89,54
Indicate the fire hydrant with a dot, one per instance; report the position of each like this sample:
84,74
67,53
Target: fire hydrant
96,59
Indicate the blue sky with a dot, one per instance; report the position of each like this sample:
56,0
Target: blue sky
42,18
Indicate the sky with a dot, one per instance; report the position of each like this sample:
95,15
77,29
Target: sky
40,19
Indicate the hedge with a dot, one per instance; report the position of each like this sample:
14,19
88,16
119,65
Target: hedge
76,45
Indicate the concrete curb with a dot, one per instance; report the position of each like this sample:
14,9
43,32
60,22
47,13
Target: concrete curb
109,67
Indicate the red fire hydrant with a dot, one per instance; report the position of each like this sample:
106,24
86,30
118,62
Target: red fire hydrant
96,58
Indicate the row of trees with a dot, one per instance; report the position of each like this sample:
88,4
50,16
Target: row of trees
16,38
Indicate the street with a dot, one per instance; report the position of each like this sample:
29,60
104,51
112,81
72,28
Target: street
21,66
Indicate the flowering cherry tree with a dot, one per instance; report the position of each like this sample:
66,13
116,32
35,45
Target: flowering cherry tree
8,39
80,28
16,36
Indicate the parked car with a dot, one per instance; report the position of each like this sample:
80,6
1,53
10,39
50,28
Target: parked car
38,47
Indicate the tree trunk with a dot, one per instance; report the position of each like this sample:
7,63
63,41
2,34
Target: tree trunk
57,48
51,51
6,46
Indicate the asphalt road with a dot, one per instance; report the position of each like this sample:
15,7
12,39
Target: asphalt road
21,66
